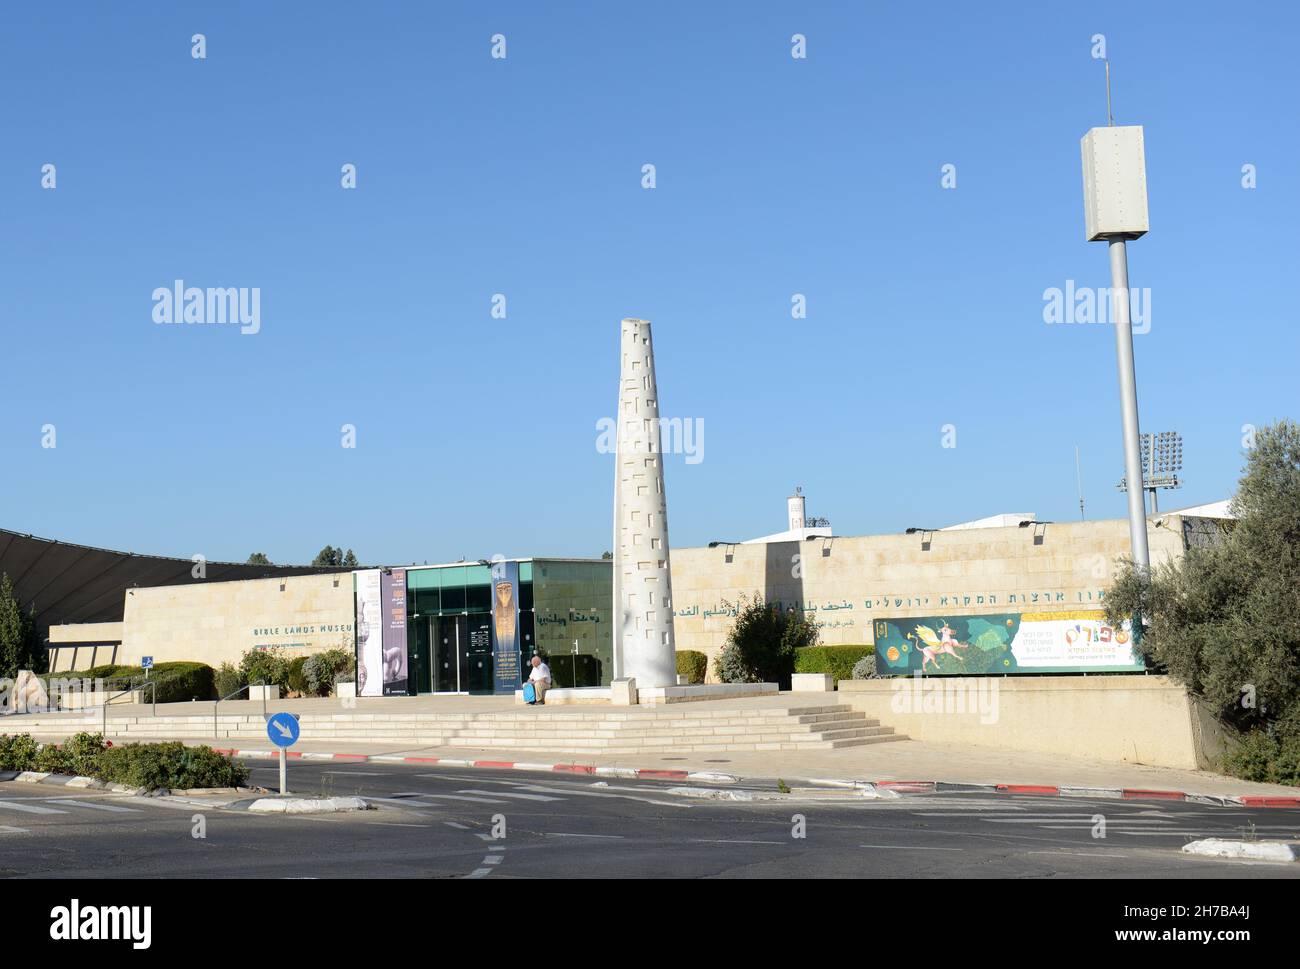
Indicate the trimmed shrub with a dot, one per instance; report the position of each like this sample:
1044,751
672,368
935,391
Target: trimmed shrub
170,764
228,679
181,682
322,670
692,664
82,753
838,661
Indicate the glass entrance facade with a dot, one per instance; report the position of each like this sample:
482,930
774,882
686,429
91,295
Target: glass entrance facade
563,608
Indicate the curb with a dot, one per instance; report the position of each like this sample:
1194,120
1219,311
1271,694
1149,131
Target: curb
307,805
712,777
1252,850
884,787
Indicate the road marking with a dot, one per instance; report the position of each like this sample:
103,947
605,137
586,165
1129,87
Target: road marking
1076,821
399,800
497,848
723,841
461,797
493,860
29,808
561,834
912,847
6,829
456,824
522,797
100,807
1085,854
479,873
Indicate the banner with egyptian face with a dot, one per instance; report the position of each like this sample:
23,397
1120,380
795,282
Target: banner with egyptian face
370,635
505,627
1031,642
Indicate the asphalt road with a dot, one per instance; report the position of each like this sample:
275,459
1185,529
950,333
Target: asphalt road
438,823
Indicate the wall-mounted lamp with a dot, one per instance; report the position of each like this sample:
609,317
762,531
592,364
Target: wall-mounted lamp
926,535
730,547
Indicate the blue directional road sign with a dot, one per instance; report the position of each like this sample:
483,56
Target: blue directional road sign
146,662
282,728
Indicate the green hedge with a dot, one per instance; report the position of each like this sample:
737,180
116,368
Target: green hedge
836,660
178,681
692,664
165,765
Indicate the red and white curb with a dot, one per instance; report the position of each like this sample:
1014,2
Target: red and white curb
627,772
896,787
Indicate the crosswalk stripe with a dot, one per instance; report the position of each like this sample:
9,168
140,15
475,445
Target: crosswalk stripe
461,797
6,829
28,808
522,797
100,807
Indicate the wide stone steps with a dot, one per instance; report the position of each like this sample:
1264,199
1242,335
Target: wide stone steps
585,731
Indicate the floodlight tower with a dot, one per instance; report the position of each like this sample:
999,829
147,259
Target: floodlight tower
1115,210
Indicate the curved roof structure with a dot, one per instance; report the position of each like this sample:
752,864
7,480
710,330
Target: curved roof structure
77,583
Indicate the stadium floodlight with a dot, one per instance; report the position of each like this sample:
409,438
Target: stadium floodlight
1162,459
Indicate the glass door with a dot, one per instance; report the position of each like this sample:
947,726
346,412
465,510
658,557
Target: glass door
449,644
476,667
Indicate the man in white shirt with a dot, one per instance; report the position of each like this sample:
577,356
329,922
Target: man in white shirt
540,677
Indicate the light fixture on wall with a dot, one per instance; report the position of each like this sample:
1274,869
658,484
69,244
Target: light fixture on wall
826,541
730,549
926,535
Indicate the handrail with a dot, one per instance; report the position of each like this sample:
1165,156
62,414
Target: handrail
221,700
153,695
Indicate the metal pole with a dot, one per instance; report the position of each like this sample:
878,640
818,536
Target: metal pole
1137,519
283,760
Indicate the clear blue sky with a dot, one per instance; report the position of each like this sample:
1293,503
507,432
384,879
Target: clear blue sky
477,176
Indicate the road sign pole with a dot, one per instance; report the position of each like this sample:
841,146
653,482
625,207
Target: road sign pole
283,771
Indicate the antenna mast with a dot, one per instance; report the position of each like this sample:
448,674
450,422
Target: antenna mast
1078,476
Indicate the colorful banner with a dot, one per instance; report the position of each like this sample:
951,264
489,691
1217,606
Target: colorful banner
1031,642
505,627
369,626
393,587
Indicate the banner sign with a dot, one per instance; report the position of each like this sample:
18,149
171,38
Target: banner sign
1030,642
369,623
505,627
393,590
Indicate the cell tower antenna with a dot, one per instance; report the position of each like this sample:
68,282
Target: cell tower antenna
1078,476
1110,117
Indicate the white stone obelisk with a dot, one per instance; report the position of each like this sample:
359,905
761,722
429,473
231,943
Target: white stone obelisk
644,647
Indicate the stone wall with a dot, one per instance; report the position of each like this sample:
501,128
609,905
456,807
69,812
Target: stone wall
220,621
845,583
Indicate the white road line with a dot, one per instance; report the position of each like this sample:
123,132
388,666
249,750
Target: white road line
722,841
522,797
1085,854
561,834
456,824
28,808
399,800
493,860
912,847
479,873
6,829
100,807
461,797
1076,821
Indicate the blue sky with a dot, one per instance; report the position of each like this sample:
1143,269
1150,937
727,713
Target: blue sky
522,176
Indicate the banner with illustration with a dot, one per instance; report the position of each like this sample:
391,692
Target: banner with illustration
1029,642
505,627
369,626
393,590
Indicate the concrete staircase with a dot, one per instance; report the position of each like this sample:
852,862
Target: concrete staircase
734,727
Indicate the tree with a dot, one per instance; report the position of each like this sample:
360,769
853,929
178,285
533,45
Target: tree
258,558
331,557
19,649
1224,621
761,644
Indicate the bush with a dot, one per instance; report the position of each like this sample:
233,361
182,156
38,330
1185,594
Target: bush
838,661
82,752
228,679
267,666
18,752
1268,758
181,682
762,642
297,678
322,670
692,664
865,669
171,765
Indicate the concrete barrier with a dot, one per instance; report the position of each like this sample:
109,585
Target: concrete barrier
1132,719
